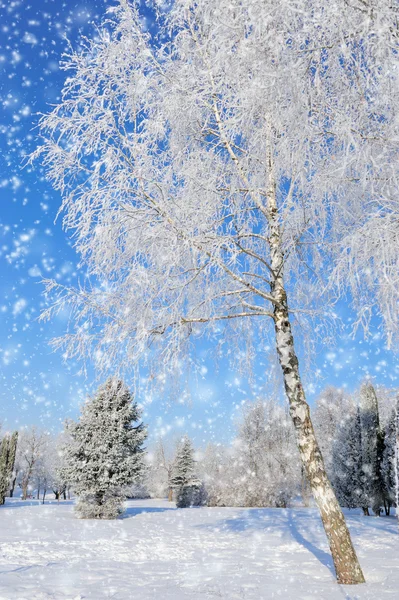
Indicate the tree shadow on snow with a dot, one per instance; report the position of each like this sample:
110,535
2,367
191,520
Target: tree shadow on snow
261,519
382,524
131,511
24,503
324,557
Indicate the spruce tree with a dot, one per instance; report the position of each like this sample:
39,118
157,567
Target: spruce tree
372,447
349,478
183,479
105,453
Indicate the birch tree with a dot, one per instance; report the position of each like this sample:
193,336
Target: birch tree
266,470
31,449
216,174
160,471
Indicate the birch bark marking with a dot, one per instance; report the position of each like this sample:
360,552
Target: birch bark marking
346,563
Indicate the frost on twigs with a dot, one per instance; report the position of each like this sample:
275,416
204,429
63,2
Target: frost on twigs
158,148
221,175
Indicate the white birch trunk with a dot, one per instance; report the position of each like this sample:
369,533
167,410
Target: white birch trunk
346,563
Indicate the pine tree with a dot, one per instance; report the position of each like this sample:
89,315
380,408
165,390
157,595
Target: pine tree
105,454
372,447
7,459
349,479
183,479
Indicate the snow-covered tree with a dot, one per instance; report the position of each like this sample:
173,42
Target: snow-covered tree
217,473
389,467
105,452
30,451
347,461
331,409
159,472
184,479
372,447
225,173
267,472
51,465
8,449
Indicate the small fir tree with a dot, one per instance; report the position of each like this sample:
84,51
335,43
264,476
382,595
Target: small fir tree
349,478
105,453
187,486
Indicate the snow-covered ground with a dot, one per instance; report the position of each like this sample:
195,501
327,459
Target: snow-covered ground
160,553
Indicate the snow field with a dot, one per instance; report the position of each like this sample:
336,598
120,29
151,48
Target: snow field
158,552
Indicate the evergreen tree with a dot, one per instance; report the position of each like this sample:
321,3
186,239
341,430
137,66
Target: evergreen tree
389,466
7,459
105,454
396,462
12,455
372,447
349,478
3,468
183,479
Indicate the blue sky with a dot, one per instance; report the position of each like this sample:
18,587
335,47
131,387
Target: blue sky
36,385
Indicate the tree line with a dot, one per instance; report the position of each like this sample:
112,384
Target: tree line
359,436
101,457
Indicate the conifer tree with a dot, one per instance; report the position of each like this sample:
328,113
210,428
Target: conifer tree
105,453
184,480
372,447
349,478
7,459
3,467
396,463
389,465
